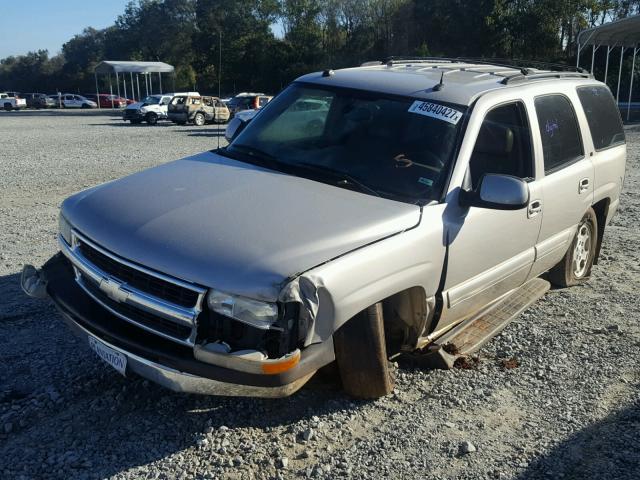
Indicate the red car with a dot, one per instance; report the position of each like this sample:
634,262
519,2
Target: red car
107,100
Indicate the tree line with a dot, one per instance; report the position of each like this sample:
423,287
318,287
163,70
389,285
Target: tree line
267,43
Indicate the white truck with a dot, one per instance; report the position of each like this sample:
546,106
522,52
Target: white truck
151,109
10,102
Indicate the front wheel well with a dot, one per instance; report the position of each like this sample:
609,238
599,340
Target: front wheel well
601,210
407,316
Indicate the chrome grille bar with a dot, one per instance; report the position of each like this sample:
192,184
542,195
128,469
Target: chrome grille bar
121,292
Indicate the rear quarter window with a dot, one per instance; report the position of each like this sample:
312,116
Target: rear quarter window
602,115
561,139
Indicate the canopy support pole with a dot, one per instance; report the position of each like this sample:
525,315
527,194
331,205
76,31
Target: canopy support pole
622,49
138,84
118,84
124,83
160,80
593,56
633,67
95,75
133,90
111,90
146,84
606,67
578,55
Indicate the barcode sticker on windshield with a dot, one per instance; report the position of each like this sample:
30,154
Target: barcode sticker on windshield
434,110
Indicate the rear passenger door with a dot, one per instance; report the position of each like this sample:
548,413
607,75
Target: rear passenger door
567,185
609,145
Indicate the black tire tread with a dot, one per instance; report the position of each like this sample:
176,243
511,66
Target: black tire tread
361,355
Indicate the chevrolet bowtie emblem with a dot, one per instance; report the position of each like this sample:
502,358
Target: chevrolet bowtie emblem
113,289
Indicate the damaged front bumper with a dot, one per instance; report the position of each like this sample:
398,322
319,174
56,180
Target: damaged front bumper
177,367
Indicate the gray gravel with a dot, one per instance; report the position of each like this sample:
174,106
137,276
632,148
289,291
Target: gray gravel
555,396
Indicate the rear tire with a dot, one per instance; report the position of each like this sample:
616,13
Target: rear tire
198,119
7,107
575,266
361,355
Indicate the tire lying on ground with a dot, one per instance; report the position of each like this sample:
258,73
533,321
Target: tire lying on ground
575,266
361,355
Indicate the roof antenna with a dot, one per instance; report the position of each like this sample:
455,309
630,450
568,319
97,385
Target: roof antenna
440,85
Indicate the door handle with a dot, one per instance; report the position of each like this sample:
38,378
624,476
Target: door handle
583,186
535,207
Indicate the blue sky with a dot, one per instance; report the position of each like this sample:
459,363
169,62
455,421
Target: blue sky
34,24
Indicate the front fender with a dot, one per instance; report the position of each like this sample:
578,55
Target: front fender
335,291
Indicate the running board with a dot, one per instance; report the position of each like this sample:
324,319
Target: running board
472,334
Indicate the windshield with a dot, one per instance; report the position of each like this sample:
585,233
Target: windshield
151,100
394,147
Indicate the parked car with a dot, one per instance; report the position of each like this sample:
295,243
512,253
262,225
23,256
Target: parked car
56,99
150,109
70,100
9,101
106,100
197,109
307,113
247,101
417,217
38,100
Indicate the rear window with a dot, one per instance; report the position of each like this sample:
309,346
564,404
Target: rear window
602,115
561,140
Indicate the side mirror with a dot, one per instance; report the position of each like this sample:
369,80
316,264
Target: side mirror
236,125
498,192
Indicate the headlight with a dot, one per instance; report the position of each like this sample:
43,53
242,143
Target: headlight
64,228
252,312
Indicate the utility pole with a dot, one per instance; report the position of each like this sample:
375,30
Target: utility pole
219,78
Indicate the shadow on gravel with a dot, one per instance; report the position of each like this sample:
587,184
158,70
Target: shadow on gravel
63,113
65,414
607,449
206,132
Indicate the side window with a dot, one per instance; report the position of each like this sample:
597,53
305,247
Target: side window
561,141
602,115
503,145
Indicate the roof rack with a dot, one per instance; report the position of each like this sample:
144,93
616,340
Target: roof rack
524,70
499,62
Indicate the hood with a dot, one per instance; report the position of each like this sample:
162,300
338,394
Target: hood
230,225
135,106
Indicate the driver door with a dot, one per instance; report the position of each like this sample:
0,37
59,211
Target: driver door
491,252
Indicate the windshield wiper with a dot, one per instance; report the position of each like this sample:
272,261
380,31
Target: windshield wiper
263,157
343,178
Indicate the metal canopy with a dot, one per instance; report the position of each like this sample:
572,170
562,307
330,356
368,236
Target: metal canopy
621,33
121,68
133,67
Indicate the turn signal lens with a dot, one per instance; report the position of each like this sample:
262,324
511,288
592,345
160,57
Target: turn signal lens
279,366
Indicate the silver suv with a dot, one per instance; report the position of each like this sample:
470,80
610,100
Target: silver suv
411,213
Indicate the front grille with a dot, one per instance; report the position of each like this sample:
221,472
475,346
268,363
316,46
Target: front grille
149,320
131,113
157,287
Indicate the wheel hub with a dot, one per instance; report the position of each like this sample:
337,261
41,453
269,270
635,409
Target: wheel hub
582,250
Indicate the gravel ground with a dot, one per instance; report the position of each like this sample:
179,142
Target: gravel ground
555,396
